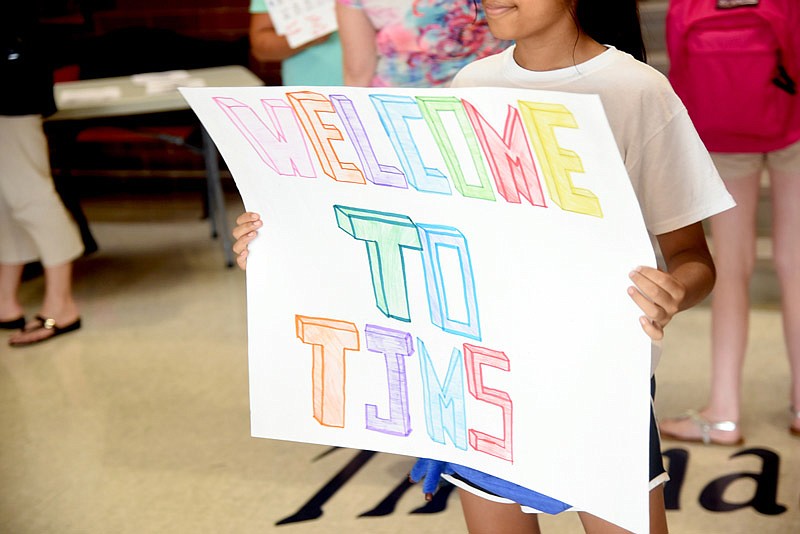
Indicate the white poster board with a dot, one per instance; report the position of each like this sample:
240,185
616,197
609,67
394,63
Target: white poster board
442,273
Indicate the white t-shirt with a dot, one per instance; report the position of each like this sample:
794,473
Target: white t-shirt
672,173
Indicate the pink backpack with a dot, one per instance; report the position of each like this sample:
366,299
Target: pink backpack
736,65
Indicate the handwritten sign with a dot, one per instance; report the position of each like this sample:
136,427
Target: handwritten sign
442,273
302,21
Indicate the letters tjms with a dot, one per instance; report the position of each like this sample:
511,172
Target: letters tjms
298,128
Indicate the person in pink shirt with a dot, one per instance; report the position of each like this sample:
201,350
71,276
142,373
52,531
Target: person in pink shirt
411,43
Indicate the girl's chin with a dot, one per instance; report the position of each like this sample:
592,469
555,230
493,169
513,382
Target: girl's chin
501,32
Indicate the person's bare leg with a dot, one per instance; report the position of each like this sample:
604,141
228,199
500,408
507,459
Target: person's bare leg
58,303
786,255
733,235
487,517
658,511
658,517
594,525
10,278
734,240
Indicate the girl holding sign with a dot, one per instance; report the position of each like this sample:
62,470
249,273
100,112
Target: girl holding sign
595,47
589,46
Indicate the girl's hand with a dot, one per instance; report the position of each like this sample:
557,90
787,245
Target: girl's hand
247,225
660,295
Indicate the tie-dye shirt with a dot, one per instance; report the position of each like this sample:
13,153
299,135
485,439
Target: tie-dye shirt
424,43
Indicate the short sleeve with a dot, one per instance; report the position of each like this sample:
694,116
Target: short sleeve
679,184
258,6
357,4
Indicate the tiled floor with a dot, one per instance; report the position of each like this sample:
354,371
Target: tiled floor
139,423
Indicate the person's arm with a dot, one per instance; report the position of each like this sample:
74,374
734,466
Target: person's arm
689,279
359,51
267,45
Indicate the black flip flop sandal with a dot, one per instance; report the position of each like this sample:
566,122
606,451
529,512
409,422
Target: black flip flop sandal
46,323
15,324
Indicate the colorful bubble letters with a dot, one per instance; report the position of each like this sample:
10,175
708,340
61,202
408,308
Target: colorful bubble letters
443,273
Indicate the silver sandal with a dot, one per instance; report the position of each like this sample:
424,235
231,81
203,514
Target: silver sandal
705,426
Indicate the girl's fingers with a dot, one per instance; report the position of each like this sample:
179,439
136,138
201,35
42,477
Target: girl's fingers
242,242
652,329
646,284
241,260
654,283
648,307
247,216
661,289
648,301
246,227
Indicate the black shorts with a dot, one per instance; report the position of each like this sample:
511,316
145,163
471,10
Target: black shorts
657,471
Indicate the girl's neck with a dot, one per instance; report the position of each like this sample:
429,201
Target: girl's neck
558,52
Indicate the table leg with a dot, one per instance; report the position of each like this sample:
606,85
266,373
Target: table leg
216,202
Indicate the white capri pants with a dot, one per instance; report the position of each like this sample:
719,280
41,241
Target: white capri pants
34,225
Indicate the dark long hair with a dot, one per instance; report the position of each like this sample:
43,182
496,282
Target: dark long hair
612,22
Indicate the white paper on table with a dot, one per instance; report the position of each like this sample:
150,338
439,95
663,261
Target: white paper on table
168,75
86,95
155,87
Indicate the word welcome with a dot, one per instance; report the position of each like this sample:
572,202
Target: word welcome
299,127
